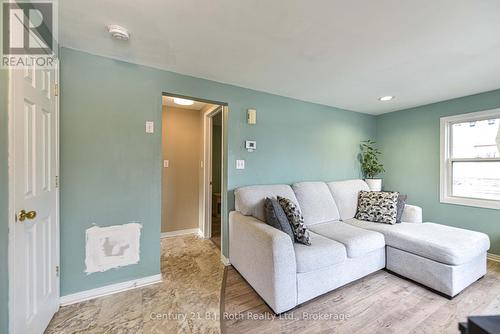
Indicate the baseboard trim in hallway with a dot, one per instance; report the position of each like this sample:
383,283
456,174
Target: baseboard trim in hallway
108,290
177,233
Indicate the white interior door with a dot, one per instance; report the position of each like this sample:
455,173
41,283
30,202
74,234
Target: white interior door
34,233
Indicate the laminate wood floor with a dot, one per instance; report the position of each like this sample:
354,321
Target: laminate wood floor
378,303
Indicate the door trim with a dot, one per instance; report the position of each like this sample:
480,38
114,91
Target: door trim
11,186
11,213
205,223
224,192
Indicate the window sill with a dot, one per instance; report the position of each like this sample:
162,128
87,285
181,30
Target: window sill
473,202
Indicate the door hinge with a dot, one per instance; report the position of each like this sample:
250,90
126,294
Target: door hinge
57,271
57,181
56,89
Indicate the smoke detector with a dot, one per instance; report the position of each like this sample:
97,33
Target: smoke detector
118,32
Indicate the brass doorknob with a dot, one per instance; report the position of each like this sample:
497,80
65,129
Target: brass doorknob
23,215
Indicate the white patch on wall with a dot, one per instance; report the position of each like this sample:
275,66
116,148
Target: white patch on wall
112,247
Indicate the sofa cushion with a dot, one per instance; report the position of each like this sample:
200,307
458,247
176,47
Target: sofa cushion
345,194
401,207
276,217
316,202
322,253
296,220
250,200
378,206
441,243
357,241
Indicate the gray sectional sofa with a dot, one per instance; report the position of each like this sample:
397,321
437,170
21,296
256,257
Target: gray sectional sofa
286,274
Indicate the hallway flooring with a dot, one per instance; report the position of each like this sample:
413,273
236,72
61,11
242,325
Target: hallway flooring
187,301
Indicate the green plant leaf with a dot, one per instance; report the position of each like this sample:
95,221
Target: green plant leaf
369,159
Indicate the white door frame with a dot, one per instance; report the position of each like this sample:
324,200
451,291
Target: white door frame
205,223
205,210
11,178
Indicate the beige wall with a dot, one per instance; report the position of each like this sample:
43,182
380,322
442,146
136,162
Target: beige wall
182,134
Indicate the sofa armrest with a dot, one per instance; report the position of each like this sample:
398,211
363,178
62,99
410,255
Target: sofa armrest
412,214
265,257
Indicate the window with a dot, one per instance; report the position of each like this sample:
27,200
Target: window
470,159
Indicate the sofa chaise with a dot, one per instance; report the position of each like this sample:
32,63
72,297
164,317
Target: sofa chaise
343,249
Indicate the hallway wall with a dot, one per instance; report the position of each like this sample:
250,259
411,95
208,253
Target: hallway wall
182,133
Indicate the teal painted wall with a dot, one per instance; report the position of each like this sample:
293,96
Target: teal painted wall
409,140
111,169
4,224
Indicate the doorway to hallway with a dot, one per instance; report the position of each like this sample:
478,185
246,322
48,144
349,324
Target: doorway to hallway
193,167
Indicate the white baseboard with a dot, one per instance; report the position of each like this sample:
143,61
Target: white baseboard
225,260
493,257
108,290
181,232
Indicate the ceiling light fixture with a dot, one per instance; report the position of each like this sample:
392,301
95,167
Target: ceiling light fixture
119,32
386,98
183,102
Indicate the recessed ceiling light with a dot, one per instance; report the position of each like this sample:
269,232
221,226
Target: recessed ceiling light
183,102
386,98
119,32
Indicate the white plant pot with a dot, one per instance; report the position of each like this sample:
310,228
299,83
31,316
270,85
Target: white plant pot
374,184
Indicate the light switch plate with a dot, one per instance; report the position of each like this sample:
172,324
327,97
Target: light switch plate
165,163
240,164
252,116
150,127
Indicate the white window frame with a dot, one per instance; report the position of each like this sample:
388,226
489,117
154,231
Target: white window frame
446,160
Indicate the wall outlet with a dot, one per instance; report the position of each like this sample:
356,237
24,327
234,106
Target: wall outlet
240,164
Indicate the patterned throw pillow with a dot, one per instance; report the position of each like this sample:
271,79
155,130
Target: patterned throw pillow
276,217
296,220
378,206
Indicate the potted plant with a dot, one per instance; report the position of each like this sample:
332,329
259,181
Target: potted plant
370,165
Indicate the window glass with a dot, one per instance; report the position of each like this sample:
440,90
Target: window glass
480,139
476,179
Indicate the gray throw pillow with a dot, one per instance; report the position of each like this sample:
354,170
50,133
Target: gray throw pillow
378,206
296,220
276,217
400,206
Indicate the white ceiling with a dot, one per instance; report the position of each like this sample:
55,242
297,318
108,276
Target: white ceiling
338,53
